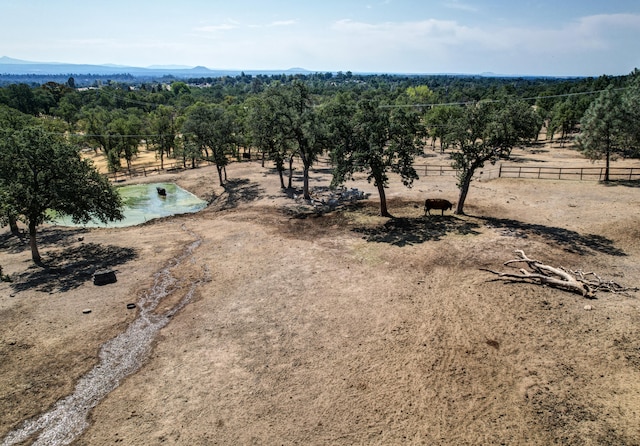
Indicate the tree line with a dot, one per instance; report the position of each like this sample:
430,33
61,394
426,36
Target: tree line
375,124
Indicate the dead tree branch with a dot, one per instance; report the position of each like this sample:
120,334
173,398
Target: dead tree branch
596,283
586,284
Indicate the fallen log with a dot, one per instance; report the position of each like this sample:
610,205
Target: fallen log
586,284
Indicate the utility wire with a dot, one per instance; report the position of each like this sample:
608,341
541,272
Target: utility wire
441,104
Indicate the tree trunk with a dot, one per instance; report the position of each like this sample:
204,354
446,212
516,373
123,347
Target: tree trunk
606,166
35,255
219,168
306,165
13,225
290,172
464,190
383,200
305,183
280,168
162,159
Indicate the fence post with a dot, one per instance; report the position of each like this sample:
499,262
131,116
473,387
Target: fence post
560,173
630,173
500,170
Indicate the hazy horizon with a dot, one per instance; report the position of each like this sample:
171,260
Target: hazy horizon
541,38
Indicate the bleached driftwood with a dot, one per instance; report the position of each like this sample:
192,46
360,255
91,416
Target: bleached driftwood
586,284
596,283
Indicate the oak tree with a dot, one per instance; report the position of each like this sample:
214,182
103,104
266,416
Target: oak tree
210,128
487,132
41,174
368,137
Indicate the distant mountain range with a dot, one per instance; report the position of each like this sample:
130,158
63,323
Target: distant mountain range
16,70
10,66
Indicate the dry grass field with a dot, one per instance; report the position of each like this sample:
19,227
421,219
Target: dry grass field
258,322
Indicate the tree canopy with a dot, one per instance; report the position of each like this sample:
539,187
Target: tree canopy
602,127
366,123
487,132
294,124
41,174
211,128
377,140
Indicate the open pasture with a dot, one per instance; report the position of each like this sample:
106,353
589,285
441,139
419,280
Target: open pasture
343,328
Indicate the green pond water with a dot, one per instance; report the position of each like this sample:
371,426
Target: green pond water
143,203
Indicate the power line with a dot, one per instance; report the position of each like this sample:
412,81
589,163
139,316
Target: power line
441,104
111,135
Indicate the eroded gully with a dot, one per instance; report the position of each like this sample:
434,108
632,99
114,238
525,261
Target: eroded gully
118,358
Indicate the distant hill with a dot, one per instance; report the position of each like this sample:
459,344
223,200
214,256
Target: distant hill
10,66
30,72
4,60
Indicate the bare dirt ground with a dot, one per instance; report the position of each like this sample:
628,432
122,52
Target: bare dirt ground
343,328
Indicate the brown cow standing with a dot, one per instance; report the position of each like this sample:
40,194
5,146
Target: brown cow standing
437,203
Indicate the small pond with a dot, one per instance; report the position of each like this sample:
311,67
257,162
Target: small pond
142,203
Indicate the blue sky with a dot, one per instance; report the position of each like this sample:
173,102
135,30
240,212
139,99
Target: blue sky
544,37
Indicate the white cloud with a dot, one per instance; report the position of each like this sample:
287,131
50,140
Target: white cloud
216,28
228,25
585,43
427,33
615,32
455,4
282,23
589,45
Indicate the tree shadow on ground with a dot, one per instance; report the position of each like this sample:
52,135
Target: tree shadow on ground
238,191
50,236
293,192
299,178
323,170
571,241
520,159
298,174
412,231
626,183
71,267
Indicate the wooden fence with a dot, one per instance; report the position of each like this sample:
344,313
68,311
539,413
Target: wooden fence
568,173
430,170
590,173
170,165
